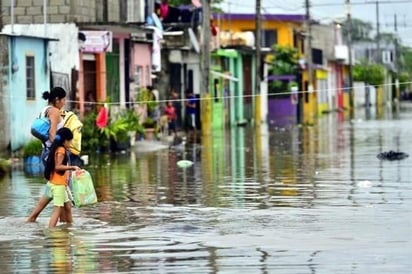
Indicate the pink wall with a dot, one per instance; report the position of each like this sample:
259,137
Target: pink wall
142,56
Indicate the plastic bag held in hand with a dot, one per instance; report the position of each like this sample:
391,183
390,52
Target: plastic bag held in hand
83,189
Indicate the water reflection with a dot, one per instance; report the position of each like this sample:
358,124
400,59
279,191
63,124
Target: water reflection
311,199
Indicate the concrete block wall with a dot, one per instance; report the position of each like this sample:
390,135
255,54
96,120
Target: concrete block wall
82,11
59,11
113,10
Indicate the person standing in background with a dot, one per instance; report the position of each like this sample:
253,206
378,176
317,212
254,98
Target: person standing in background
90,103
177,104
171,117
191,110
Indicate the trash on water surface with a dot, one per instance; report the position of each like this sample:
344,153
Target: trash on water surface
184,163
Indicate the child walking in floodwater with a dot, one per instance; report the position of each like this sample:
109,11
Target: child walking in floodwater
57,172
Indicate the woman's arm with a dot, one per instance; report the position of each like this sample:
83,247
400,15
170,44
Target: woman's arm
54,116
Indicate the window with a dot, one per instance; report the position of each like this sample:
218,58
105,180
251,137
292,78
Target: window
148,76
387,56
216,90
138,76
30,78
317,56
190,84
269,38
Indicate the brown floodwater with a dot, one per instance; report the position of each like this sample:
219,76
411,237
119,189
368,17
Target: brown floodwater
268,200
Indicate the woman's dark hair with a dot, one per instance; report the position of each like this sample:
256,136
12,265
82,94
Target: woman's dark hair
54,94
62,135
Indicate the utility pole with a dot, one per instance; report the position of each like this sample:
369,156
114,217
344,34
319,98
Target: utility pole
349,42
309,46
258,22
378,35
396,57
309,62
206,102
206,46
1,15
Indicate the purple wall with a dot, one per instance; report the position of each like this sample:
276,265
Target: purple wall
269,17
281,112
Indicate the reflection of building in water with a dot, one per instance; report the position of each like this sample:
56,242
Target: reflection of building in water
172,171
60,247
208,174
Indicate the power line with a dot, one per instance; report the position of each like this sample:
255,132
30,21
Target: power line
271,94
364,3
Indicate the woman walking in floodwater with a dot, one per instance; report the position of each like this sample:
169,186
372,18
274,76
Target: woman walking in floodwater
56,99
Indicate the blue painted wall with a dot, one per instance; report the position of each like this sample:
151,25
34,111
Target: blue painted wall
23,110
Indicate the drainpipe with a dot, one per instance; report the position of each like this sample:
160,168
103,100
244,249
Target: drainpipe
45,17
12,15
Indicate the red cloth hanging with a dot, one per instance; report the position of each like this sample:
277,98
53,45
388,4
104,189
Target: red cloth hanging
102,118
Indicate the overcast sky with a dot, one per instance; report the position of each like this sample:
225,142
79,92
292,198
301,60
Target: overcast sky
327,10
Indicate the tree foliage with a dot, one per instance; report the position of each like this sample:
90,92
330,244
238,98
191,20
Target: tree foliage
404,84
284,61
369,73
386,37
406,59
361,30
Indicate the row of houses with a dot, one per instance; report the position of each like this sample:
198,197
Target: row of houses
111,49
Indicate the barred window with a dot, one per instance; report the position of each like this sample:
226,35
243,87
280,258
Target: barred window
30,78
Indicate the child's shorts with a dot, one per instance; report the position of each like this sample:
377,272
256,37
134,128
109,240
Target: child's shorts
47,192
59,194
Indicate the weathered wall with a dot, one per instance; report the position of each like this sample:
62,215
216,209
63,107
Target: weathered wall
64,53
4,68
31,11
60,11
22,109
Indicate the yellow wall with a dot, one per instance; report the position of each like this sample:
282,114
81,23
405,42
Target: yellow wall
321,74
284,29
380,102
284,38
346,100
323,106
380,96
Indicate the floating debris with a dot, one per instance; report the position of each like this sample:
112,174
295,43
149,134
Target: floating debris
392,155
184,163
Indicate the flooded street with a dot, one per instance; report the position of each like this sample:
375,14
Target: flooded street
276,200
